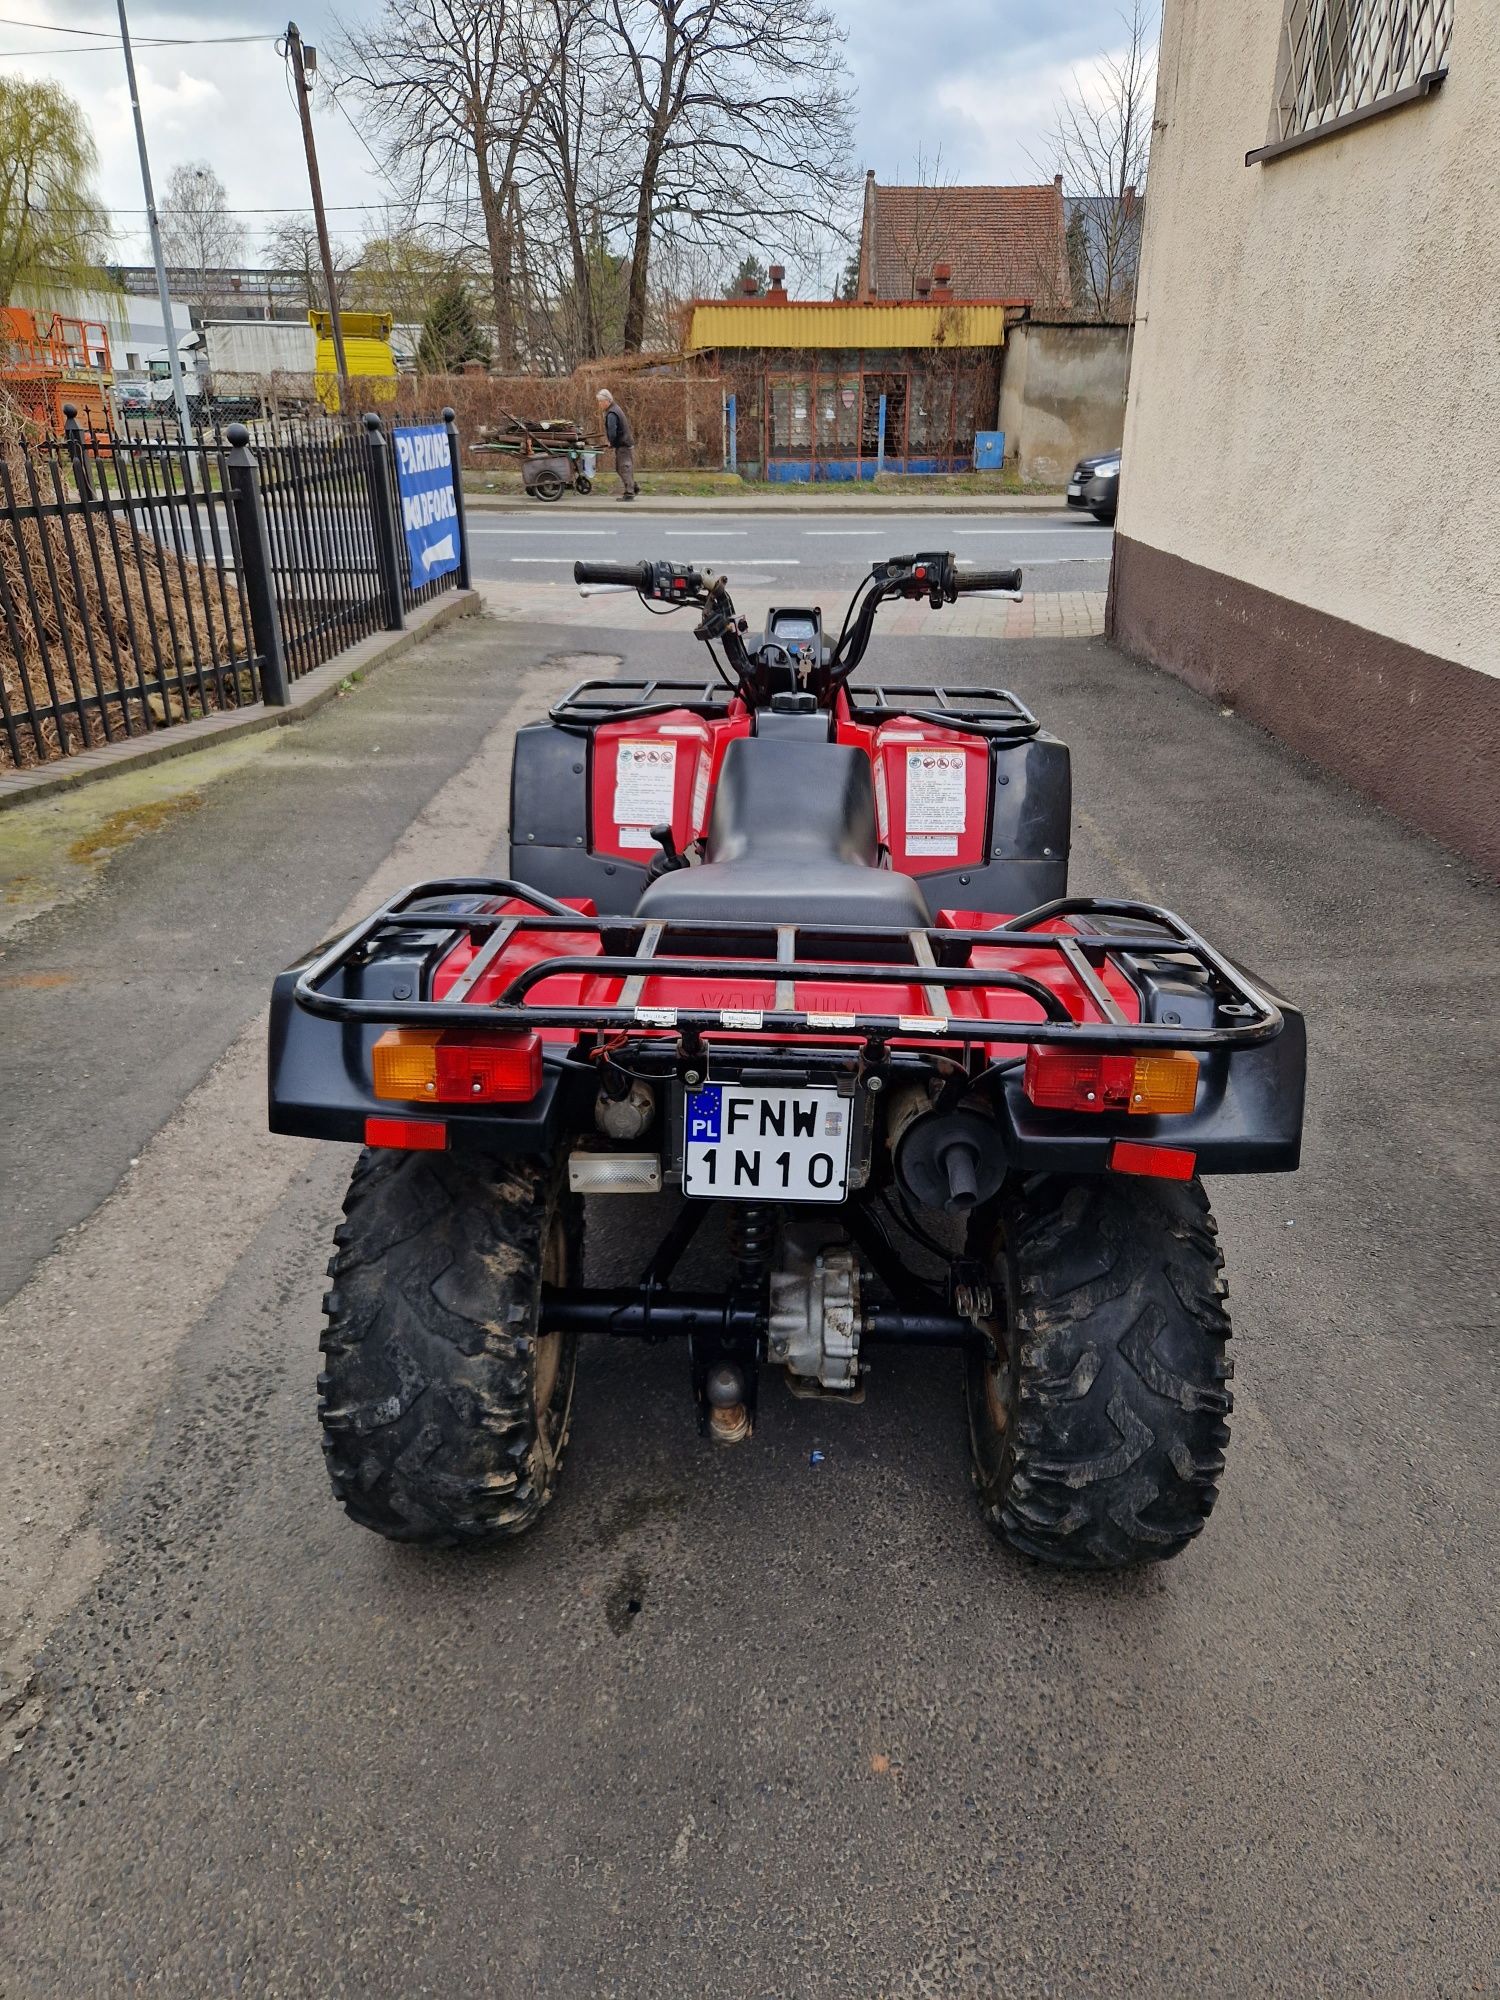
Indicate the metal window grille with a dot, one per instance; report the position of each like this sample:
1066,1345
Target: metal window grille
1344,56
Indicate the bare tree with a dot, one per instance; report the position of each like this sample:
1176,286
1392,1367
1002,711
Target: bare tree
403,272
583,149
1101,145
292,247
198,234
454,86
742,112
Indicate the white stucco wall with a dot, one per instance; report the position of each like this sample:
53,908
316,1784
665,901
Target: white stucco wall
1315,395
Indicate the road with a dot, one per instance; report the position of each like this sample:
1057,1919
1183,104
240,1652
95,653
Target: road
1058,552
733,1724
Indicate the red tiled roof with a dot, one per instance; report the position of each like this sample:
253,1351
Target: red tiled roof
1002,242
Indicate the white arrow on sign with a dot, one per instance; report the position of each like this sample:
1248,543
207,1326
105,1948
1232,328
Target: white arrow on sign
436,552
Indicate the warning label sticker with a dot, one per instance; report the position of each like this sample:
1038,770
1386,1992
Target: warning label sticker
936,791
645,781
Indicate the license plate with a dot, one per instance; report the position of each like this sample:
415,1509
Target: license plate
1074,490
744,1144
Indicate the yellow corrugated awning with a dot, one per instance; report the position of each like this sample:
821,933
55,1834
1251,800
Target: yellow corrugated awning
808,324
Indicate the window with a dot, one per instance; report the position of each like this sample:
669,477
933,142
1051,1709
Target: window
1343,60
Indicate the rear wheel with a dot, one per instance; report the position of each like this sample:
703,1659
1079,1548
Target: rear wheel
549,488
444,1414
1098,1429
583,484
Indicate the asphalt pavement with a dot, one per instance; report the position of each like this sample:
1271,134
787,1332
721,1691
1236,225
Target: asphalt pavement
1057,551
781,1721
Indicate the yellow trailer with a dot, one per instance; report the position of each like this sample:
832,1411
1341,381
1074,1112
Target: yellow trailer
368,351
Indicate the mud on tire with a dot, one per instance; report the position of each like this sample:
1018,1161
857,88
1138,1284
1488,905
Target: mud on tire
1099,1438
444,1417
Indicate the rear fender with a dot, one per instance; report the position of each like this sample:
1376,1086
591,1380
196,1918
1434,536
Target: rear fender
320,1073
1248,1118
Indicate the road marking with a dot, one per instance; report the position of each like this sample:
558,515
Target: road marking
553,532
568,560
1019,534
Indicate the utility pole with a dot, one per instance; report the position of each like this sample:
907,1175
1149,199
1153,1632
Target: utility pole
174,359
304,62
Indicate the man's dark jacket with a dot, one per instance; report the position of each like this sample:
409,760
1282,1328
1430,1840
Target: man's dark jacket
617,428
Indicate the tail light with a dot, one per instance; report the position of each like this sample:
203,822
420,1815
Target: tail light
1058,1079
456,1066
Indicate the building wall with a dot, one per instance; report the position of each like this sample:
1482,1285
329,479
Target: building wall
1310,503
1062,395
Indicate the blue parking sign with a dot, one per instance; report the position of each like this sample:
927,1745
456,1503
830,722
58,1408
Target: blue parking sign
425,479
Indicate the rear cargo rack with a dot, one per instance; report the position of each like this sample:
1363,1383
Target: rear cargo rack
992,712
635,950
592,702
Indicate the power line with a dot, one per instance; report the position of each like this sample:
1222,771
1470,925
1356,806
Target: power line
51,28
110,46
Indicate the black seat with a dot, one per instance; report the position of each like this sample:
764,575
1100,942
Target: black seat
792,839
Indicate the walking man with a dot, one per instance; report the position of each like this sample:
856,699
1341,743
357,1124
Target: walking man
617,432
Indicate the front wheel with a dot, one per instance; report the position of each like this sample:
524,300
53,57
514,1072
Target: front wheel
444,1412
1098,1426
549,488
583,484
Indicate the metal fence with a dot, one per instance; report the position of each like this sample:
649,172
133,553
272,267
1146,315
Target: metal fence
145,582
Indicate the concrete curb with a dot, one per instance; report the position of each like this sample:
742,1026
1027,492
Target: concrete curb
309,693
802,503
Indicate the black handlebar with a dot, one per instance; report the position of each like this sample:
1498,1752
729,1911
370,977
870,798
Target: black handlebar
634,576
987,579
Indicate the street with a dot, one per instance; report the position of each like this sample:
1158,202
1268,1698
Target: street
781,1720
1057,551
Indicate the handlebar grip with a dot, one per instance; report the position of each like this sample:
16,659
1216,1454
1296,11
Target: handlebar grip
989,579
634,576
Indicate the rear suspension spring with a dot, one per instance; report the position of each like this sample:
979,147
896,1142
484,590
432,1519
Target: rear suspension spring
752,1234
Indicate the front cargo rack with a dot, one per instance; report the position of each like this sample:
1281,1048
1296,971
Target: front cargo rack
589,703
634,950
992,712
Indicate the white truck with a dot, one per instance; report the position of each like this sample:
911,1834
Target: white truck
227,367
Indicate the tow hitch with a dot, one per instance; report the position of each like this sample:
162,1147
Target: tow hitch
807,1311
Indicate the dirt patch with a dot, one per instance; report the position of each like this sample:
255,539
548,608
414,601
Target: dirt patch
35,982
111,834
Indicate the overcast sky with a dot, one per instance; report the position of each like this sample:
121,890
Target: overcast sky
976,77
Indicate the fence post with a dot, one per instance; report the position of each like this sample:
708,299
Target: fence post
880,446
450,424
255,559
73,437
732,430
388,545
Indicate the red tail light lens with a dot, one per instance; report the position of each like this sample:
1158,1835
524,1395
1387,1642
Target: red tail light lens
1077,1080
409,1135
1163,1163
455,1066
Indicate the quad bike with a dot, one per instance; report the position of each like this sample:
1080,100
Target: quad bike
802,945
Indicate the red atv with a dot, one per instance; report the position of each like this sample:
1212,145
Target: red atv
761,946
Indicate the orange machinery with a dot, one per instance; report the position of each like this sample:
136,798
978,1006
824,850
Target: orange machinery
46,363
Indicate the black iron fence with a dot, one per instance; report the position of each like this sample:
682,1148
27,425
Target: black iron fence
145,582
